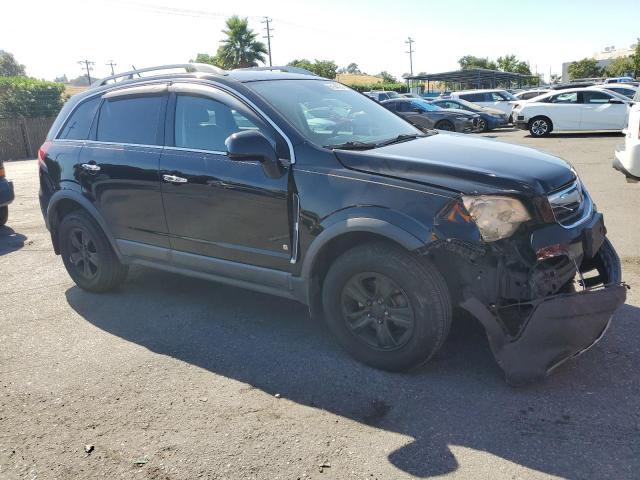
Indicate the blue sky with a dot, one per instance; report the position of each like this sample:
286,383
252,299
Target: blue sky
370,33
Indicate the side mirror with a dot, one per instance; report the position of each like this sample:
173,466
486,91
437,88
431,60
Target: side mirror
253,146
616,101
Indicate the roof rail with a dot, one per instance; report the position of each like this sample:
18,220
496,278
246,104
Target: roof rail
188,67
281,68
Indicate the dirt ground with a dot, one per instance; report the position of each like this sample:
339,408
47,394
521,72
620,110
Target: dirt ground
176,378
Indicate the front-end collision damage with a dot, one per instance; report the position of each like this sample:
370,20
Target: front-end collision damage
543,296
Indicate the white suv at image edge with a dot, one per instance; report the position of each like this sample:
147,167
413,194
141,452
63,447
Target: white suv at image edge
627,156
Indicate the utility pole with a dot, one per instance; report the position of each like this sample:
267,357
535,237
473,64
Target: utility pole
88,65
268,36
111,64
410,41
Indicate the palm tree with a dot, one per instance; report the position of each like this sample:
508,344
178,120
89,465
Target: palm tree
240,49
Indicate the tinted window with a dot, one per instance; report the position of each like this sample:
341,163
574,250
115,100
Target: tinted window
404,106
130,120
595,97
79,123
474,97
570,97
391,106
496,97
204,123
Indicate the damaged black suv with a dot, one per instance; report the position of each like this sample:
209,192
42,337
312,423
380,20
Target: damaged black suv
297,186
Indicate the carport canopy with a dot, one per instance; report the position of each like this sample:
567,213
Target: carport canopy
476,78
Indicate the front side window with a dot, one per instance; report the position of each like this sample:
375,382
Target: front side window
595,97
202,123
134,120
79,123
347,116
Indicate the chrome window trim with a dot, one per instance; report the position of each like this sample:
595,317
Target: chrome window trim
196,150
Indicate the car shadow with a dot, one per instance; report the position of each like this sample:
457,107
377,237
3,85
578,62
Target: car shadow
582,135
582,422
10,240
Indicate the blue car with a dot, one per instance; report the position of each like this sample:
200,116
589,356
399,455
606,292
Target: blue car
489,118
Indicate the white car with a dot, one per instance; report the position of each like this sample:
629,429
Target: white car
529,94
497,98
571,110
625,89
627,157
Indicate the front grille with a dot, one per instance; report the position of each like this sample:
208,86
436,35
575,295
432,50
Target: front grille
571,204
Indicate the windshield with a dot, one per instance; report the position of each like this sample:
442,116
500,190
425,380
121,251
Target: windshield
424,105
329,114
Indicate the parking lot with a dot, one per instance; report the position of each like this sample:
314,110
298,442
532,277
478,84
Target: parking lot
177,378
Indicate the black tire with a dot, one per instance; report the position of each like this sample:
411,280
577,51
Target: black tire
445,125
540,126
417,295
4,215
87,254
483,126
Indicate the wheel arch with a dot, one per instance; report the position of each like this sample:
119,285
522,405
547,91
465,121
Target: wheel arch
544,116
346,233
64,202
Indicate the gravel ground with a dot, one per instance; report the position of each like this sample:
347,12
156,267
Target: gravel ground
176,378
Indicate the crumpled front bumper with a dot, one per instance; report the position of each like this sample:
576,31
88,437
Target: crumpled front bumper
558,328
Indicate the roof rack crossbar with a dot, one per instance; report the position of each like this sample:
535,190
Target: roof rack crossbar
188,67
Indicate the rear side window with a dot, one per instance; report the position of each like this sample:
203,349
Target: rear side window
79,123
474,97
568,97
130,120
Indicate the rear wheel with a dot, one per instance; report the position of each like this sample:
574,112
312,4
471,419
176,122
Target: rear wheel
445,125
87,254
386,307
540,126
483,126
4,215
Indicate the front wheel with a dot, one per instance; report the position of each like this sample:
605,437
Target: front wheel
540,127
483,126
386,307
4,215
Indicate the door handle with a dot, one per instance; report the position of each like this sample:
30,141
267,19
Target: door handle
174,179
90,167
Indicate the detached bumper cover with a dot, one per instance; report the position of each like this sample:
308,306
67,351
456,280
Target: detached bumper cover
6,192
558,328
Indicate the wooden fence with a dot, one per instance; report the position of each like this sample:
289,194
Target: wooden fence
21,137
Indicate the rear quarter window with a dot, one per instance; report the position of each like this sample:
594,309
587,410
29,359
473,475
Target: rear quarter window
79,123
134,120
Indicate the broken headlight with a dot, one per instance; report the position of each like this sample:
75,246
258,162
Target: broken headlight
496,217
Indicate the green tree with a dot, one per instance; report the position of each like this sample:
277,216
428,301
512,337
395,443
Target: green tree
387,77
510,63
585,68
9,66
620,66
469,62
323,68
27,97
353,68
240,49
635,60
206,58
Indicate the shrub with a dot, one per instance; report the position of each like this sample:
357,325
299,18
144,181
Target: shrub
396,87
28,97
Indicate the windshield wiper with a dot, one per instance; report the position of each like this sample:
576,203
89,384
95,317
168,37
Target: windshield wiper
352,145
401,138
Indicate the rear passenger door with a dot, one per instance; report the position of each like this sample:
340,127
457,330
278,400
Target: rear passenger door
216,207
118,166
565,111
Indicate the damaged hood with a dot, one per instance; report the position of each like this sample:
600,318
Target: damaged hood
465,164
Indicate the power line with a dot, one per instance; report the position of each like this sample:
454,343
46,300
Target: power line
88,65
410,41
111,64
268,36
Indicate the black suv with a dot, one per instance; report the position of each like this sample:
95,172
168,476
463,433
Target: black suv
298,186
